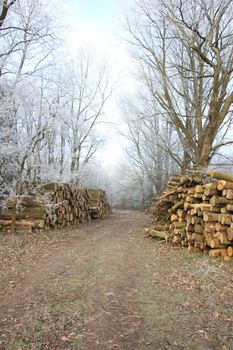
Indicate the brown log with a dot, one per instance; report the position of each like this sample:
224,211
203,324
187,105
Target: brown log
208,237
210,217
224,193
198,237
229,207
229,194
221,185
224,253
174,217
158,234
210,227
217,200
179,225
220,227
225,211
198,195
189,236
230,251
199,189
222,236
184,179
201,206
192,248
198,228
224,219
220,175
21,223
215,209
217,252
230,233
191,191
211,189
215,243
40,224
194,211
179,231
178,205
50,187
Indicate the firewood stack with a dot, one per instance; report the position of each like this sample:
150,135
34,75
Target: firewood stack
197,212
99,207
53,206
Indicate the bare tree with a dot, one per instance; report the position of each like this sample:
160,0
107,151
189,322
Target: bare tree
75,96
185,52
88,90
5,5
25,36
153,150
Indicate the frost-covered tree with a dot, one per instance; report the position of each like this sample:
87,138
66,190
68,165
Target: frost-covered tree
25,38
50,109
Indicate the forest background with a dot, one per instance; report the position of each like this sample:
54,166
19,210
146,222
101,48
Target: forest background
114,96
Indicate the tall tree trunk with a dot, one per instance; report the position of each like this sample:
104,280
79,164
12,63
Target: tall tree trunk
205,148
62,153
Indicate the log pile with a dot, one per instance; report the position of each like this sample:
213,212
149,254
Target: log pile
53,206
197,212
99,207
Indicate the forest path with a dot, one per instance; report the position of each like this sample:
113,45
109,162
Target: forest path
105,286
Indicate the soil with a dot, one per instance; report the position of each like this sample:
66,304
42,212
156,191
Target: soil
104,285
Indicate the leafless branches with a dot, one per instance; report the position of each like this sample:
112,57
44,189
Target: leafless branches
185,53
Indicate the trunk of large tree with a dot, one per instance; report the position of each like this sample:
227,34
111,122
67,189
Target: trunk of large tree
205,147
205,154
186,161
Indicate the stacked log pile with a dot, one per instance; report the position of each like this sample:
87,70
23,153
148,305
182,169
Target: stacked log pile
53,206
99,207
197,212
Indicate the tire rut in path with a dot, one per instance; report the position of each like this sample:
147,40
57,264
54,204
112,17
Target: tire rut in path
114,321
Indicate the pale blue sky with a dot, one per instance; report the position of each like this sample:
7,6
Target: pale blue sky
96,12
94,9
98,24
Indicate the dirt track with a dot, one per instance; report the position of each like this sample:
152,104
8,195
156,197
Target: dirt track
105,286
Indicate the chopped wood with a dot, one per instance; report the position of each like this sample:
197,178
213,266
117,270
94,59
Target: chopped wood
220,175
198,215
230,234
54,206
230,251
217,252
222,184
159,234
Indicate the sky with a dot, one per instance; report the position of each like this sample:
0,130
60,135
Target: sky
98,24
